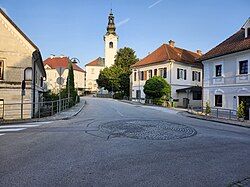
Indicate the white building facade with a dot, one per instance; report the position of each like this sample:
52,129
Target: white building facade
178,67
227,72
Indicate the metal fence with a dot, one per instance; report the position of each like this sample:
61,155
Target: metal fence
220,113
27,110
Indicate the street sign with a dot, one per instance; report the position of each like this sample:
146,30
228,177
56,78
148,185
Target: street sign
60,70
60,80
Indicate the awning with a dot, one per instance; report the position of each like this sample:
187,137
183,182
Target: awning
190,89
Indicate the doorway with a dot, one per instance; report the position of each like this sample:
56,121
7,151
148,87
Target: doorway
246,100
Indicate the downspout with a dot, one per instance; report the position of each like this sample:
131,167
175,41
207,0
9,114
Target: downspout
34,85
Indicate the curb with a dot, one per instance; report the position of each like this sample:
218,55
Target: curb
213,120
75,114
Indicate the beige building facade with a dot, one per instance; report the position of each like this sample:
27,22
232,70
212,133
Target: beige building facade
18,56
51,65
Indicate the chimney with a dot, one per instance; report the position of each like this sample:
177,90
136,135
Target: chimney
171,43
198,51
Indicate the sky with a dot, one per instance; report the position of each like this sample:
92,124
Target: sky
75,28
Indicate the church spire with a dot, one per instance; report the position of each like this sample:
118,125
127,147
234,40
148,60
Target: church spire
111,24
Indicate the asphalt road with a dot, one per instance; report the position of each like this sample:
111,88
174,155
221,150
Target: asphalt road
111,143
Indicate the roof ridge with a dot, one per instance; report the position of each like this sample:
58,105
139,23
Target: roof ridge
166,49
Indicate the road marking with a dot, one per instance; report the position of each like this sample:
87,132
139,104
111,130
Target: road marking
17,126
2,134
11,130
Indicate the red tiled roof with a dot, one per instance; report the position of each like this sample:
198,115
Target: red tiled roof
97,62
56,62
234,43
166,52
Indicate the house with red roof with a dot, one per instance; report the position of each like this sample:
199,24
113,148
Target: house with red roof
178,67
227,72
52,63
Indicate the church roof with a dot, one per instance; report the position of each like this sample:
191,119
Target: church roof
166,52
97,62
56,62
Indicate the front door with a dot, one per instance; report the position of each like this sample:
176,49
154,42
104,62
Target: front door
246,100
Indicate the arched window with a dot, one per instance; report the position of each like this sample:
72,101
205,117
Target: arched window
111,44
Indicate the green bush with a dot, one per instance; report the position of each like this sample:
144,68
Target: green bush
158,101
208,108
118,95
241,110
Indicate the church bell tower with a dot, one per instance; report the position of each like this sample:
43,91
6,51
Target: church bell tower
111,41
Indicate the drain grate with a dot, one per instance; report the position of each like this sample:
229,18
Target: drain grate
148,129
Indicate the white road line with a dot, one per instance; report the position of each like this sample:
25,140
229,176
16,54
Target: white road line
17,126
40,122
2,134
11,130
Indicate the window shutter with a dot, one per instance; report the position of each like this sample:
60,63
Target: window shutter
145,75
178,73
185,74
199,76
192,75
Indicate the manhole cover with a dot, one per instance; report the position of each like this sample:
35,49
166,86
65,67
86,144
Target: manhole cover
148,129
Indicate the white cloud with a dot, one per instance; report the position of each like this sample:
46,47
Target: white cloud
155,3
122,22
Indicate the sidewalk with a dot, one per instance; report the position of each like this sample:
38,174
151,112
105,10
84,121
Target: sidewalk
219,120
185,112
64,115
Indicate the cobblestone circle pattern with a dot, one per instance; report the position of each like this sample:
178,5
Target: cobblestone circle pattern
148,129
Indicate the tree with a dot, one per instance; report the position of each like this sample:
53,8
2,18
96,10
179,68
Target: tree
117,77
125,57
109,78
70,84
156,87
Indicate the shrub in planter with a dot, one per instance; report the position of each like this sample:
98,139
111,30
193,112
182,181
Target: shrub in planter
241,111
158,101
208,109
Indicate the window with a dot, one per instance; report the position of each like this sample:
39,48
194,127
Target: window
197,95
111,45
134,76
243,67
218,70
181,74
164,72
150,74
1,70
155,72
196,76
218,100
141,75
92,70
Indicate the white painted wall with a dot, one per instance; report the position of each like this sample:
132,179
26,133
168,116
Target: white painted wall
171,77
91,76
231,84
110,52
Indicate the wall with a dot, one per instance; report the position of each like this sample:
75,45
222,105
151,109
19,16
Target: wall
91,76
230,85
171,77
110,52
